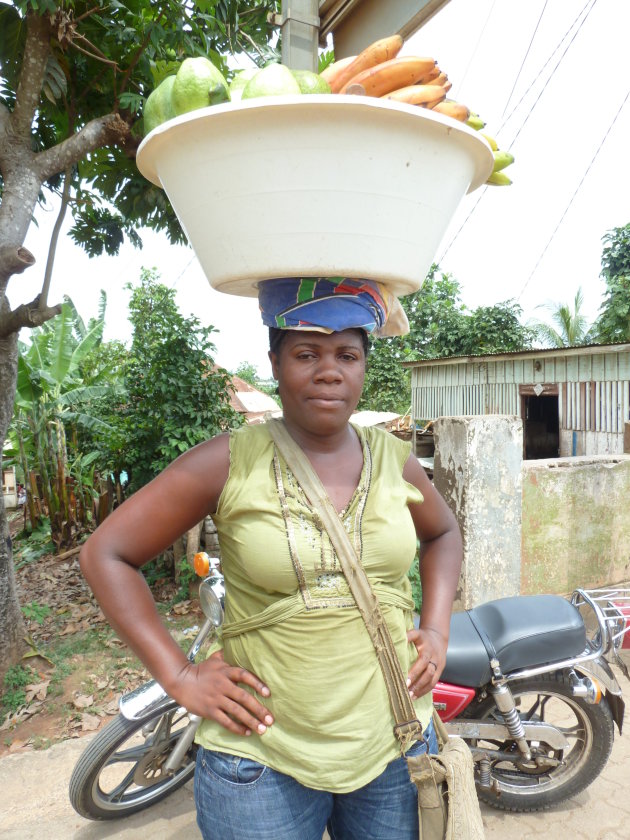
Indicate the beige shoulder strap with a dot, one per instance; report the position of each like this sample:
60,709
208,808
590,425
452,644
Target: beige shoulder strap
407,727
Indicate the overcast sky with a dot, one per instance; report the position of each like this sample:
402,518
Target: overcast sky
560,104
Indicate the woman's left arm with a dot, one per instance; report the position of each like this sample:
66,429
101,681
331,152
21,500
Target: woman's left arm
440,565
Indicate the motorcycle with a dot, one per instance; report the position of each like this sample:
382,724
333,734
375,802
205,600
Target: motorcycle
527,684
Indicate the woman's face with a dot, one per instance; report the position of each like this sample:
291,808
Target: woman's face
320,377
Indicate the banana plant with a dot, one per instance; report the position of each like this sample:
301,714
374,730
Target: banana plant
50,393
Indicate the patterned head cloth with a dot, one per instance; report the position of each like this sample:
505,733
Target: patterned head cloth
331,304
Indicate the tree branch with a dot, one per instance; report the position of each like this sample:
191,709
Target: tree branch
252,42
135,59
26,315
5,118
36,53
14,259
54,238
100,132
97,54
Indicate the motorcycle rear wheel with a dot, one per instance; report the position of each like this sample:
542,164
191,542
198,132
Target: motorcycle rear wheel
121,773
587,727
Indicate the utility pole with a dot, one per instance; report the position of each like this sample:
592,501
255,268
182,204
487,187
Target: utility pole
299,23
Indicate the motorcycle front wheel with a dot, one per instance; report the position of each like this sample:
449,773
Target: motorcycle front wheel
121,771
551,775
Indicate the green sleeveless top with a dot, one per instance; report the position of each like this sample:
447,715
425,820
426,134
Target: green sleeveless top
291,619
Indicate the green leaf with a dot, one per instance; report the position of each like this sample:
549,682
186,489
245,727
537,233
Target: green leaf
12,40
28,388
132,102
61,347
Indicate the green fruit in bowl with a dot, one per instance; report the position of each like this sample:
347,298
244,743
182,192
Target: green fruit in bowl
198,84
159,105
310,82
239,81
272,80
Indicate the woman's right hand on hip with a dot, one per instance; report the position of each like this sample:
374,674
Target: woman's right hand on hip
213,689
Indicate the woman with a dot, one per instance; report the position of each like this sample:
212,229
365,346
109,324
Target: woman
297,733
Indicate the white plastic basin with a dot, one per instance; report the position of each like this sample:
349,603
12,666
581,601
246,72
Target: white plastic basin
314,186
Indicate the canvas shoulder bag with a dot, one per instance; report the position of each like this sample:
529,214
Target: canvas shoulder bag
448,808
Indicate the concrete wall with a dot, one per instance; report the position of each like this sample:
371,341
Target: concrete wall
575,523
477,469
530,526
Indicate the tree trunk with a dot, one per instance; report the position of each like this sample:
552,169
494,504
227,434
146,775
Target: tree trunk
179,552
193,539
11,624
193,544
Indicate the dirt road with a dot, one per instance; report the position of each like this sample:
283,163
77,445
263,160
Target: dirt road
34,806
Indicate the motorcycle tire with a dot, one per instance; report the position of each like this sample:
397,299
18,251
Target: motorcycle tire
120,772
526,785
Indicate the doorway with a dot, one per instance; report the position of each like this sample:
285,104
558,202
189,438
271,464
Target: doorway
541,426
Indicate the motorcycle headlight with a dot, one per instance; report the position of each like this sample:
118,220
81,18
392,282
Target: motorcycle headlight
211,596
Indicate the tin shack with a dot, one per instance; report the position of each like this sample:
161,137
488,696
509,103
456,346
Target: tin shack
573,401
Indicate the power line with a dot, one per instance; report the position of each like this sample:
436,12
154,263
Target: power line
474,52
544,88
461,227
527,116
554,51
520,69
185,268
566,210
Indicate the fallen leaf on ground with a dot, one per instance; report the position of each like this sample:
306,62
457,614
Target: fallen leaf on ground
26,712
37,691
90,722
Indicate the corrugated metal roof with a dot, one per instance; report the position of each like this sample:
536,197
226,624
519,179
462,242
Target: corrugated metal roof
583,349
248,400
373,418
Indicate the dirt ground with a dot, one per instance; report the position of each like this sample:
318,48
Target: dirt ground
77,668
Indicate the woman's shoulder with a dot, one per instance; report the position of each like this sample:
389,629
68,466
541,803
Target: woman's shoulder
254,436
248,443
383,443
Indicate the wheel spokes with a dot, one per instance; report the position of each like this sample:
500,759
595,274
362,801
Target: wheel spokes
118,792
134,754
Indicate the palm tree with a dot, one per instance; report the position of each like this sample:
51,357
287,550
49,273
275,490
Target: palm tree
570,326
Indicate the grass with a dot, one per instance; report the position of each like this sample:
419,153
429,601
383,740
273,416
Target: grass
15,681
74,652
87,662
31,545
35,612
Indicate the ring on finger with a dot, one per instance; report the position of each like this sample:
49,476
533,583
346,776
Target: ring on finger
431,662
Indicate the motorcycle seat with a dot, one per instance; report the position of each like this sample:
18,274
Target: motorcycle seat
525,631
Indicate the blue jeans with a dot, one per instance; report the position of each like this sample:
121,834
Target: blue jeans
239,799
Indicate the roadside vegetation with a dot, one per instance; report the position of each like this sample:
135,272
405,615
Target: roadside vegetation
75,668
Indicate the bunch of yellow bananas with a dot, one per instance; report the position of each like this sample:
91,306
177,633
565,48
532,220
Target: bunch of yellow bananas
502,158
379,71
